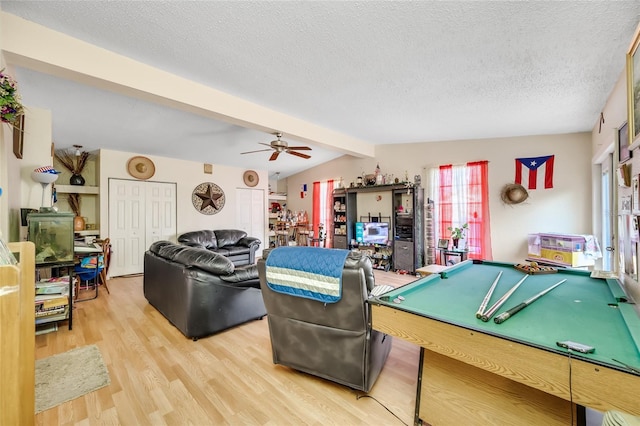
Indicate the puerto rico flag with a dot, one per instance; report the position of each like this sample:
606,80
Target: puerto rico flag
532,165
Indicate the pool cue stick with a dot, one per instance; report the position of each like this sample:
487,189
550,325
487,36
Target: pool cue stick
635,370
486,299
486,316
511,312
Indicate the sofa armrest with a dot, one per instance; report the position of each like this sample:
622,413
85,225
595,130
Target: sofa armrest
252,242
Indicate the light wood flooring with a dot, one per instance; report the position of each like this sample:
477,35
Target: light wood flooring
159,377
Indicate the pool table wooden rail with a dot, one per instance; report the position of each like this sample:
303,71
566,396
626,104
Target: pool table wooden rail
468,376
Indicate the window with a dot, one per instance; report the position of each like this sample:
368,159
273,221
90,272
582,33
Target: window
461,195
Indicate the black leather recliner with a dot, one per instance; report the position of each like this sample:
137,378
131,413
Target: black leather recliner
231,243
199,291
334,341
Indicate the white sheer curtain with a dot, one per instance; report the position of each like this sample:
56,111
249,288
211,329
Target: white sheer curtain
460,194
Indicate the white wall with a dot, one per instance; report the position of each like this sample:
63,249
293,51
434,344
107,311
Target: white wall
604,139
565,208
187,175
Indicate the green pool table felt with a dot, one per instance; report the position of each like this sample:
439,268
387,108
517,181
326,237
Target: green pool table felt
587,310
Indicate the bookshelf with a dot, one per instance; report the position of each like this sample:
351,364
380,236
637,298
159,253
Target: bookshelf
17,352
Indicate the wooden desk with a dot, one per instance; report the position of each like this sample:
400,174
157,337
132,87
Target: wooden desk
445,253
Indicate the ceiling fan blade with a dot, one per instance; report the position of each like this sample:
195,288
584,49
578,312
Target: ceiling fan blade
304,148
265,144
260,150
298,154
274,156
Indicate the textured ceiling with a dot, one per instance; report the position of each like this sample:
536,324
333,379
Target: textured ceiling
383,72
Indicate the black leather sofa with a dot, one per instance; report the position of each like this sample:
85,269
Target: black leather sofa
199,291
231,243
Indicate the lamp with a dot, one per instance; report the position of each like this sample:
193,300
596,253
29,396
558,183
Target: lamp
77,147
44,179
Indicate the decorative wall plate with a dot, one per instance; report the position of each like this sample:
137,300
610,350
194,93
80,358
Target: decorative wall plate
141,167
250,178
208,198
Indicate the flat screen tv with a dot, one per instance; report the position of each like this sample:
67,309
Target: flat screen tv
372,233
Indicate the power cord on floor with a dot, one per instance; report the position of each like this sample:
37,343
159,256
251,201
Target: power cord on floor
570,388
358,396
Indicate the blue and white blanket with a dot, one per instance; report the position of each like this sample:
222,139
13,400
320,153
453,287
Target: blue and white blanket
311,272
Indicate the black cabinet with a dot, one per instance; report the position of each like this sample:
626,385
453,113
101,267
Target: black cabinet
343,218
408,223
405,251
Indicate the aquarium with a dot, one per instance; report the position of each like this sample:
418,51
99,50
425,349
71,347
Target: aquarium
52,234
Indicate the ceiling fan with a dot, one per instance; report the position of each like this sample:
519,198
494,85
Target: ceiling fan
279,146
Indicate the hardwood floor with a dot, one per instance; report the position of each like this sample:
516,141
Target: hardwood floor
159,377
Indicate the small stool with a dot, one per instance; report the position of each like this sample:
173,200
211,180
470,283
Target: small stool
302,234
282,234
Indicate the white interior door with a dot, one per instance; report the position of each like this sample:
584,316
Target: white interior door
251,212
161,208
126,226
140,212
607,205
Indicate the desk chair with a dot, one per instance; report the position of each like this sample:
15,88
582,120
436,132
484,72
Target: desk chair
106,252
89,269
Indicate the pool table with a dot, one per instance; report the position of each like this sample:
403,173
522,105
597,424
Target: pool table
476,372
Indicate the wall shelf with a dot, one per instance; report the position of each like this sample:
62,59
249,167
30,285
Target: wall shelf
77,189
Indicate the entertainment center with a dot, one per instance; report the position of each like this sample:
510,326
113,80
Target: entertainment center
387,221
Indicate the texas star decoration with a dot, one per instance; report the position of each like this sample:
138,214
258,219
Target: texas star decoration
208,198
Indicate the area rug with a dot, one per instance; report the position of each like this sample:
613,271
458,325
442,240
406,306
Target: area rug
66,376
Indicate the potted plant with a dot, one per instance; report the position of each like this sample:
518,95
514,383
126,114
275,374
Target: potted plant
73,160
74,204
458,233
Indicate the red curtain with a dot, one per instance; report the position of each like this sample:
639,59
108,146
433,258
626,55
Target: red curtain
328,214
446,200
479,232
478,235
315,212
323,210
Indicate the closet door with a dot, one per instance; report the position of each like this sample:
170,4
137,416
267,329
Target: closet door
127,226
140,212
251,212
160,212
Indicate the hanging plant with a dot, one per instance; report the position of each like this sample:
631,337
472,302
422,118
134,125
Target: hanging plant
10,106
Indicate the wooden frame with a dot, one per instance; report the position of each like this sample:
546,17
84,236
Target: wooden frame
635,194
633,88
624,153
443,244
18,137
